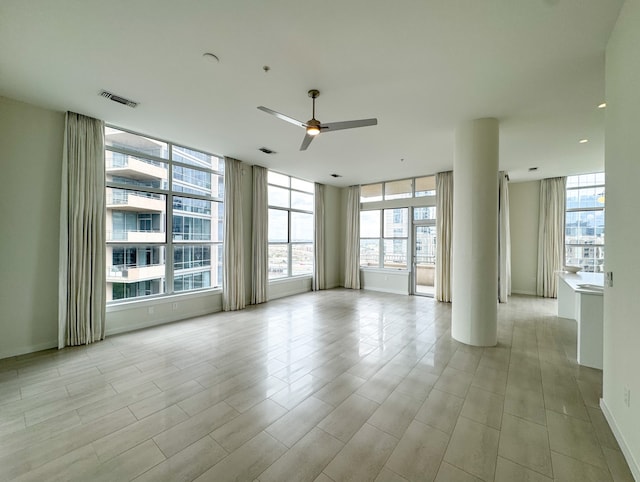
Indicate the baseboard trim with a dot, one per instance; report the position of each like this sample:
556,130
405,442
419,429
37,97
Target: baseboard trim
523,292
626,451
386,290
25,350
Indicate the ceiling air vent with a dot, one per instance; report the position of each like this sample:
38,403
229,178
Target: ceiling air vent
266,150
118,99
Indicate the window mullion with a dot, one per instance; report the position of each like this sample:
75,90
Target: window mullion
169,256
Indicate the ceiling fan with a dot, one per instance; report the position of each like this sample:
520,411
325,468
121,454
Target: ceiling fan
314,127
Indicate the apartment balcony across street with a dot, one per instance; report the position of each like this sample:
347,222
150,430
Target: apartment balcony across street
133,168
129,201
132,273
137,236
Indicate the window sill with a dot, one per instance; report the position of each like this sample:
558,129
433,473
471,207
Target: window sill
291,278
384,270
142,303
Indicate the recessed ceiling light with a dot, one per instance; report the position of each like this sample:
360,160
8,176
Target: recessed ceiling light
335,175
211,57
266,150
602,106
532,169
583,141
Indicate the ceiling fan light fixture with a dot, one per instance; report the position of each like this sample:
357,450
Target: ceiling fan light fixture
313,127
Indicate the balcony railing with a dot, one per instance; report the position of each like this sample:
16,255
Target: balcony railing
136,169
137,236
130,201
127,273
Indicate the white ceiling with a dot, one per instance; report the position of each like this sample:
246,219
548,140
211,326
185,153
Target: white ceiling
420,66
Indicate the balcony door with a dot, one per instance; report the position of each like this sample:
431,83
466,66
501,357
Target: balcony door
424,257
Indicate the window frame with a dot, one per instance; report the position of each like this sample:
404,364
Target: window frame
290,210
412,202
169,193
599,247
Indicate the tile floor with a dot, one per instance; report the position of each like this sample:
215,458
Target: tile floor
327,386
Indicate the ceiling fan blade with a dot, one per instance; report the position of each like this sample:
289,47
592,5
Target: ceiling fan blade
305,142
337,126
282,116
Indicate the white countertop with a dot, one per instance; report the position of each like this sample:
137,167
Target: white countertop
574,280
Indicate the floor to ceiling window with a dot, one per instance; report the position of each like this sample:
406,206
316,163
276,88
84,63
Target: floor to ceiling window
164,217
584,222
290,221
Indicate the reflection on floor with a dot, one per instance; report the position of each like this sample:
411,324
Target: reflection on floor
425,290
332,385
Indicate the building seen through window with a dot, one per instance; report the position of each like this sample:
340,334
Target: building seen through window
164,217
585,222
290,226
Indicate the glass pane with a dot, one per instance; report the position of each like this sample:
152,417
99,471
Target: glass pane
398,189
371,192
302,201
584,227
425,260
136,143
136,217
134,271
278,226
278,179
193,181
395,253
370,224
278,196
302,185
197,158
278,261
422,213
301,259
582,180
396,223
425,245
188,256
590,197
301,227
590,258
135,171
197,220
426,186
370,253
197,266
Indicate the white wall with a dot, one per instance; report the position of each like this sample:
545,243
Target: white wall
387,281
622,167
334,236
31,150
524,209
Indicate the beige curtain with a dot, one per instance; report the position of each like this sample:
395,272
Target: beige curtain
259,237
444,234
352,253
318,247
233,291
82,283
550,235
504,239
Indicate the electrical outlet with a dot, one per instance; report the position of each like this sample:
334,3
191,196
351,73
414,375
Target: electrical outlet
150,310
627,397
174,306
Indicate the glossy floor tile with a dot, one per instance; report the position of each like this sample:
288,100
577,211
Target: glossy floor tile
327,386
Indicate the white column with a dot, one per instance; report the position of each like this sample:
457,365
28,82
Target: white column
474,317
